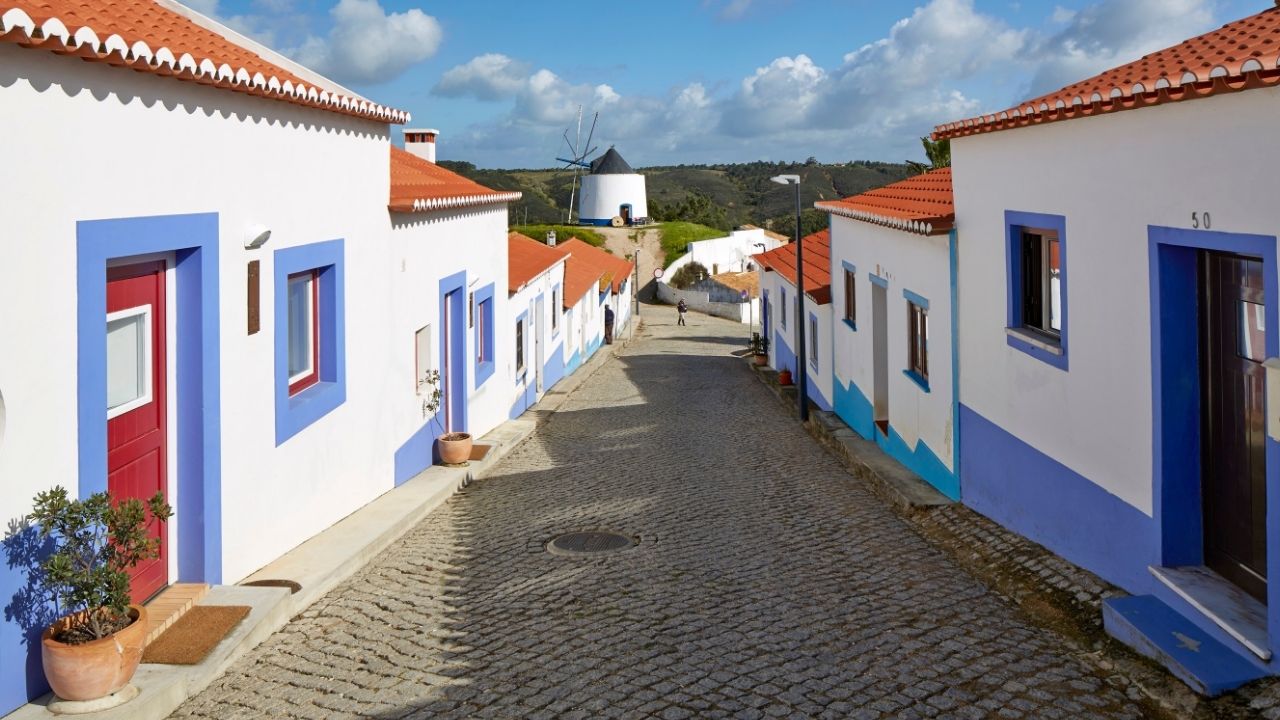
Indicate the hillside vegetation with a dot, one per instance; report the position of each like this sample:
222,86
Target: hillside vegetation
720,196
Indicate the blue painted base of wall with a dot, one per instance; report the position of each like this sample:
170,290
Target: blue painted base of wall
815,394
781,357
418,452
1034,495
856,411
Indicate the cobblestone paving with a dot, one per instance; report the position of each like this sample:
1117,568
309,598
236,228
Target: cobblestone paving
767,583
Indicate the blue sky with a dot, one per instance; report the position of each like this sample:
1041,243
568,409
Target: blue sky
699,81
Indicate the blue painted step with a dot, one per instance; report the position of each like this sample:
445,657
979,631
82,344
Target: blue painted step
1154,629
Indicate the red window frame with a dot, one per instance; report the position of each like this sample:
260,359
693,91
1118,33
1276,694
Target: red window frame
313,377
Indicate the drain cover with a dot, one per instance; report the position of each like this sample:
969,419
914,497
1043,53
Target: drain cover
590,543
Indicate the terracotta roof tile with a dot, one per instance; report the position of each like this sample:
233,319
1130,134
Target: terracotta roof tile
749,281
145,36
817,264
590,265
923,204
421,186
527,259
1241,55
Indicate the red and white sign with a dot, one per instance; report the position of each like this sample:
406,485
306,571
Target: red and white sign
657,273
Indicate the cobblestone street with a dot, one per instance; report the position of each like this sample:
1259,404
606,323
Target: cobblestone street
767,582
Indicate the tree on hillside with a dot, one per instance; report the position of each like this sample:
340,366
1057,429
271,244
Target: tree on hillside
689,275
696,207
937,151
811,221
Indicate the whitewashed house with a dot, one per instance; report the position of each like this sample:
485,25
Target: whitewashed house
893,376
1117,329
535,288
781,312
217,280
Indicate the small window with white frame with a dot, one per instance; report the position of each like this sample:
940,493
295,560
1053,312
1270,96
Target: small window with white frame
304,330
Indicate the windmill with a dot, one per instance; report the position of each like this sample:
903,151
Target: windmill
577,159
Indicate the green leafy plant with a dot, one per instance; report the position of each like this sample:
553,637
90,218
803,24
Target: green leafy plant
759,344
689,275
96,541
937,151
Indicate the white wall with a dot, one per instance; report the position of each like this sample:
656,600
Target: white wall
908,262
731,253
603,195
522,302
700,301
1110,176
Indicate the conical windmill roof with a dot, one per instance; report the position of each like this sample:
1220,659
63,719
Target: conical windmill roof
611,163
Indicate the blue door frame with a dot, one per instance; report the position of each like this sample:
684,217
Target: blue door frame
453,296
1175,378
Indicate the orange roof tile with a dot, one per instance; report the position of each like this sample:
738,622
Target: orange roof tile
527,259
1241,55
580,274
922,204
817,264
419,186
614,270
143,35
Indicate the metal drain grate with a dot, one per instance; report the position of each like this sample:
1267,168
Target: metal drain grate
590,543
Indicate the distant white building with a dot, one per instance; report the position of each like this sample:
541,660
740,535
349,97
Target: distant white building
612,190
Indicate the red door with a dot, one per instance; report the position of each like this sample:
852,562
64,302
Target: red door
136,430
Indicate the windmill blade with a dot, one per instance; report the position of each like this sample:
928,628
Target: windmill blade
591,134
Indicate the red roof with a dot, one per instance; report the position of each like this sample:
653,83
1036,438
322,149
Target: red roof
581,273
922,204
145,36
527,259
610,270
817,264
1241,55
418,186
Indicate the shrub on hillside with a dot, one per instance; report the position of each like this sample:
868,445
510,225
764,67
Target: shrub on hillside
689,275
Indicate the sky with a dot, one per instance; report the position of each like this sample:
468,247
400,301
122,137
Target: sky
710,81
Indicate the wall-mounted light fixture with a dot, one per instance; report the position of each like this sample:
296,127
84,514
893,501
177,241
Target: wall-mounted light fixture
256,237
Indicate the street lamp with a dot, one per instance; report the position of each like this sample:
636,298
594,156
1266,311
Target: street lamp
801,375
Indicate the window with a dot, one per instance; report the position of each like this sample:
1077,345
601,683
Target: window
304,330
485,348
1036,267
918,337
850,300
422,363
813,341
129,358
783,308
310,335
520,346
555,309
1041,281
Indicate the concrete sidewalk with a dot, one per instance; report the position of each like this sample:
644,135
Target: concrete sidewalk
324,561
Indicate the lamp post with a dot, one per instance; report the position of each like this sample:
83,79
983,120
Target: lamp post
801,375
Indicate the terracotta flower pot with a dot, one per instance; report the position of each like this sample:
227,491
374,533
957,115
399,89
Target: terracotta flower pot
94,669
761,359
455,448
784,377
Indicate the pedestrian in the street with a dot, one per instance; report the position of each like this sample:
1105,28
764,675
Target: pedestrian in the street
608,325
681,308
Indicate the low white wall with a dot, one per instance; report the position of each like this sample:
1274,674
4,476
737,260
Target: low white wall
698,300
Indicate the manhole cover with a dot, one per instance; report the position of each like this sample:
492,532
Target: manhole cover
594,542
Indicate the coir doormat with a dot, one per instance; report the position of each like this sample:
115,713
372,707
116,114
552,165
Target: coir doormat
191,638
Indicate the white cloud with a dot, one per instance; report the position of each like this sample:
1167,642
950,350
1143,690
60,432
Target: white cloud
492,76
208,8
369,45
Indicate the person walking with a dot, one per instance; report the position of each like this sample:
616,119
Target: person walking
681,308
608,325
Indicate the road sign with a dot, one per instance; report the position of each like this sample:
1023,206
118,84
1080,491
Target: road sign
657,273
744,296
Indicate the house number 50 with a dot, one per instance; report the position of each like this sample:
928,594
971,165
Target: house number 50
1201,220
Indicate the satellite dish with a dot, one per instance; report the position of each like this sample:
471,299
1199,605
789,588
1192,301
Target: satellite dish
577,158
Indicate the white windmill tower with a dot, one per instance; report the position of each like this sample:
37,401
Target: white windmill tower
577,158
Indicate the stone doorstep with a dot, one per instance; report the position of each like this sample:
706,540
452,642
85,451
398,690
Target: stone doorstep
886,477
173,602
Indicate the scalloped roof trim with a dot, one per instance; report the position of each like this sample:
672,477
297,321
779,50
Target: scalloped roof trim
923,204
1241,55
55,35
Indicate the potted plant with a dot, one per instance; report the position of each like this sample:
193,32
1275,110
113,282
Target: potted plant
94,648
784,376
759,349
454,447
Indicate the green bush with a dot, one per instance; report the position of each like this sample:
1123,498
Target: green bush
689,275
676,237
563,232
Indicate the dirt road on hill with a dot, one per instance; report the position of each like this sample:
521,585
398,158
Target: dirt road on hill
644,245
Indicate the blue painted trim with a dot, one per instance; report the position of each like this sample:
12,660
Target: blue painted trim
954,259
849,266
812,340
917,379
600,222
876,279
484,310
1014,222
1175,377
522,372
297,412
851,325
455,388
919,300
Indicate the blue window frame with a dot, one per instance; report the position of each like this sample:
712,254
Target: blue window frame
324,262
917,339
1036,292
485,350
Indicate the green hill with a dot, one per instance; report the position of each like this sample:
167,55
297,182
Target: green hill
738,194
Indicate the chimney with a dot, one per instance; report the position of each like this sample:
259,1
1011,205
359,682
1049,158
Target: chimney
421,143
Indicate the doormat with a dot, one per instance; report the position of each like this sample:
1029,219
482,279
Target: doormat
191,638
478,451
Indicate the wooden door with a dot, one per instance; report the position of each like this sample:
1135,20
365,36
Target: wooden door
1233,332
880,356
137,433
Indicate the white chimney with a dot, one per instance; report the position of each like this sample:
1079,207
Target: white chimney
551,234
421,143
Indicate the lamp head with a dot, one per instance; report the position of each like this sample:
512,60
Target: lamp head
256,237
786,179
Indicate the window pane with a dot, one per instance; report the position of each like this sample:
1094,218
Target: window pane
127,358
1251,339
301,325
1053,267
